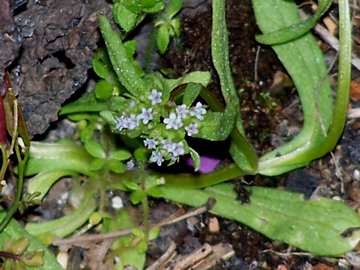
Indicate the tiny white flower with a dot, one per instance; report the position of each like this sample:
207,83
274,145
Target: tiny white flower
173,122
192,129
146,115
198,111
155,96
179,149
150,143
182,111
132,104
157,158
130,165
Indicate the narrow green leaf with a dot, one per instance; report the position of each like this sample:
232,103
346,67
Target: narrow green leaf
43,181
65,225
120,154
196,159
122,65
315,225
87,103
163,38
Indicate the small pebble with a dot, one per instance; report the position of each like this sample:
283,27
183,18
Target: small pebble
356,175
214,225
63,258
117,203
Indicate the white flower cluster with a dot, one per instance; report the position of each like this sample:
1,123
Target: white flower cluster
179,120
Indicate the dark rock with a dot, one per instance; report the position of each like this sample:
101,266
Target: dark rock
58,39
10,39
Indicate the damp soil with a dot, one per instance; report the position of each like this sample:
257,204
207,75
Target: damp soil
50,66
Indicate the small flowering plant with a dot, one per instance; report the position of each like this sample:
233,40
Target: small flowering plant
133,117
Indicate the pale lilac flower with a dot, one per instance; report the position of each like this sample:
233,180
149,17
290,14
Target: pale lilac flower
178,150
130,165
146,115
120,123
169,146
150,143
155,96
182,111
173,122
198,111
192,129
156,157
132,104
132,122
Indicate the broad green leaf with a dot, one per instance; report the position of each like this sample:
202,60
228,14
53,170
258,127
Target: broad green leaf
122,65
43,181
173,7
318,225
163,38
124,17
95,149
304,62
65,225
289,33
14,231
47,157
103,90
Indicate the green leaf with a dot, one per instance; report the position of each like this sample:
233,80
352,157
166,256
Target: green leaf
316,225
65,225
103,90
163,38
14,231
296,30
230,118
122,65
173,7
305,63
191,92
95,149
97,164
100,68
87,103
124,17
43,181
116,166
120,154
47,157
196,159
137,196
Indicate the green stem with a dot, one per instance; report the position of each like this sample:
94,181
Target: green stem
19,190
